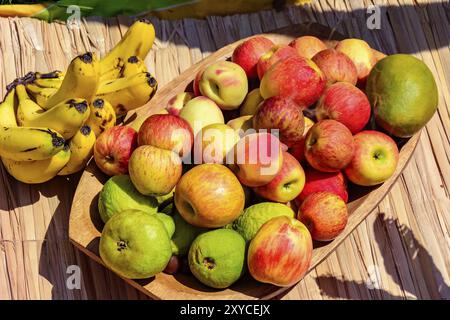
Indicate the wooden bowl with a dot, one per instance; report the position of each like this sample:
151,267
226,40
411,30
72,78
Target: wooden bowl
85,224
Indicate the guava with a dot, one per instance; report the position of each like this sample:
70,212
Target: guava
256,215
119,194
184,234
217,258
135,244
168,222
403,94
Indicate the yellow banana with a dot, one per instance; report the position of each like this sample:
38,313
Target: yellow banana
65,118
7,112
113,73
29,143
81,80
101,117
37,171
137,41
132,66
52,79
81,149
27,109
40,94
126,94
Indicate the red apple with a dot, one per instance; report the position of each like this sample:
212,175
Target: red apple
298,149
308,46
168,132
329,146
295,77
317,181
361,54
324,214
287,184
336,66
281,252
282,114
375,159
345,103
248,53
210,196
113,149
258,158
275,54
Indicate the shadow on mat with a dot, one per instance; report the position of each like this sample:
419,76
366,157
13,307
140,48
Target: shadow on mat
436,288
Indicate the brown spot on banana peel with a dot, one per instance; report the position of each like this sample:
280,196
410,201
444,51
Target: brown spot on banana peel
80,106
86,58
50,75
85,130
29,149
133,59
98,103
97,114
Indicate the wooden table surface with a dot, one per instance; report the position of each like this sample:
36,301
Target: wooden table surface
401,251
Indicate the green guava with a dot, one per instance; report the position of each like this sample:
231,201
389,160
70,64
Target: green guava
119,194
403,94
216,258
256,215
168,222
184,234
135,244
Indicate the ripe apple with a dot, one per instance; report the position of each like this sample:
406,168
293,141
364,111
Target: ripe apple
324,214
295,77
281,252
241,125
287,184
251,103
113,149
308,46
282,114
329,146
345,103
177,102
298,149
336,66
154,171
258,158
248,53
168,132
361,54
317,181
375,159
210,196
201,111
214,143
225,83
275,54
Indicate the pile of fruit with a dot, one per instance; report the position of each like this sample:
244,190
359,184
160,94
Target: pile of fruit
242,173
238,175
49,121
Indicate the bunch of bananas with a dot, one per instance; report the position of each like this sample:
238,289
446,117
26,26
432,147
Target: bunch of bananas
49,121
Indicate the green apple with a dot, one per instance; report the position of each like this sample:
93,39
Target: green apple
214,143
135,245
241,125
251,103
200,112
225,83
